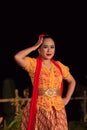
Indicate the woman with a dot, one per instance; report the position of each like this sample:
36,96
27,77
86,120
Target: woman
47,108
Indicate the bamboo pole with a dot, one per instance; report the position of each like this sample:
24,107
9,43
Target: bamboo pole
14,99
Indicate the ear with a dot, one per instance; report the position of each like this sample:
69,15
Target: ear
39,50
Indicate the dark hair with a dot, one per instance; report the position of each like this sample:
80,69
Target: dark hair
46,36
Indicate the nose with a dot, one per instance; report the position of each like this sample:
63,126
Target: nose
49,48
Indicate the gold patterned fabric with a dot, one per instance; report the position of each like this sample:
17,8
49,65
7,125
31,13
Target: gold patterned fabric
46,120
50,92
51,120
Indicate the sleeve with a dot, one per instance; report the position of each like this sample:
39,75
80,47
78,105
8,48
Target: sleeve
65,70
31,64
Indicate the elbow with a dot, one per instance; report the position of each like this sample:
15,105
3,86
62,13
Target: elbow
74,82
15,57
19,60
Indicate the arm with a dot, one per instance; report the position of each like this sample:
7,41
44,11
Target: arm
71,86
20,56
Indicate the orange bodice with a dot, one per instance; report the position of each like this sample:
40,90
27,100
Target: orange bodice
48,79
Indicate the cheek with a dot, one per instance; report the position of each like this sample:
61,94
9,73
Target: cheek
53,50
43,50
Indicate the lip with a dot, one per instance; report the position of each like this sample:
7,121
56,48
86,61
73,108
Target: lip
48,54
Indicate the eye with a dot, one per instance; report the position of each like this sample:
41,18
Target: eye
45,46
52,46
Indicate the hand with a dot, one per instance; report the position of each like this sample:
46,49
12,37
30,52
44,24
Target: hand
39,42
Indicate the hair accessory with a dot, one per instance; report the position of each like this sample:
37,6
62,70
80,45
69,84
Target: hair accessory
42,35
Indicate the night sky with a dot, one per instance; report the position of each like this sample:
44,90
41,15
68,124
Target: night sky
21,23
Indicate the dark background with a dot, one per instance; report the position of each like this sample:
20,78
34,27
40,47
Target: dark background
22,22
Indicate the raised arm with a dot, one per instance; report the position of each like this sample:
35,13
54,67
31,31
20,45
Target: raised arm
20,56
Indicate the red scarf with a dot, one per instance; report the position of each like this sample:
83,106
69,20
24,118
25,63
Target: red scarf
32,112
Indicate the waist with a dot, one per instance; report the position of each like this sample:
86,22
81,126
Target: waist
50,92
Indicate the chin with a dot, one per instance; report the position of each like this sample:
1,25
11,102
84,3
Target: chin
47,58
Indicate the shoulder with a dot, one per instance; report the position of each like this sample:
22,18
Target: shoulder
30,59
65,69
30,63
62,65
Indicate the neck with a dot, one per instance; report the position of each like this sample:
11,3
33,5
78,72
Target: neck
47,63
45,60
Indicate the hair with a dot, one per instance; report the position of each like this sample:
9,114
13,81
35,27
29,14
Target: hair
46,36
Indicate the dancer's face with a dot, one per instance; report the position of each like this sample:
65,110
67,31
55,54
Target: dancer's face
47,49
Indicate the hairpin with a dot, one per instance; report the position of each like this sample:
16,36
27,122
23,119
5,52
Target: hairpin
42,35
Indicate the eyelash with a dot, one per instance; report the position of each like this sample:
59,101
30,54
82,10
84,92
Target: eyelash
52,47
47,47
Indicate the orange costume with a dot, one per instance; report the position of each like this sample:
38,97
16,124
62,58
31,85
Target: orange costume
50,109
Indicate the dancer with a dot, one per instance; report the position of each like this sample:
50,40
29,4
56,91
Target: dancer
46,111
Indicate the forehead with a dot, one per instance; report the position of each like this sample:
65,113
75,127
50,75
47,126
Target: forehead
48,41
